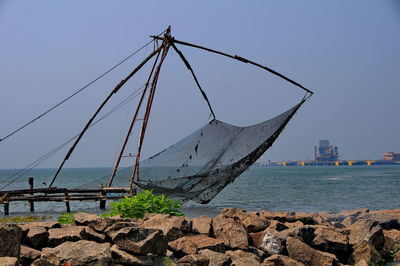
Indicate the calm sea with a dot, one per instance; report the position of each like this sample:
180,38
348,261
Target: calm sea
273,188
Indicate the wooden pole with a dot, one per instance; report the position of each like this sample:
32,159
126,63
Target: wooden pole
66,199
6,208
31,202
103,201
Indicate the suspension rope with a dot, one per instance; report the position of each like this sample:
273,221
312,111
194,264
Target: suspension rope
77,92
37,162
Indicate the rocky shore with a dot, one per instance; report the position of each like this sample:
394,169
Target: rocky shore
234,237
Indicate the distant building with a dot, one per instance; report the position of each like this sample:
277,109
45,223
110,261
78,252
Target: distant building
391,156
326,152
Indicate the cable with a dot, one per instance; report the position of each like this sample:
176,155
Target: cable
78,91
32,165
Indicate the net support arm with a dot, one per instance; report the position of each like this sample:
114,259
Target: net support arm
242,59
186,62
115,90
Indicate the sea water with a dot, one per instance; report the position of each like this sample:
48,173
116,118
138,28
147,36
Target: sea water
290,188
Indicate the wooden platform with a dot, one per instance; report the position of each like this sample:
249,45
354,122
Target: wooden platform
56,194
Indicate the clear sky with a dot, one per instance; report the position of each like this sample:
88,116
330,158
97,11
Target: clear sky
348,52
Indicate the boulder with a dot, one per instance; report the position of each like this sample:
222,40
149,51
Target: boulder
280,216
28,255
173,227
278,226
9,261
195,259
37,236
102,223
301,252
253,222
10,240
366,230
202,225
122,257
326,218
293,224
216,258
354,213
58,236
386,219
79,253
304,233
231,232
364,251
48,225
362,263
89,233
141,241
40,262
113,229
328,240
304,217
83,218
281,260
243,258
192,244
273,242
392,239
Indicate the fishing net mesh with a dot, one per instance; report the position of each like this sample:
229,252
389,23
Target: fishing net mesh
202,164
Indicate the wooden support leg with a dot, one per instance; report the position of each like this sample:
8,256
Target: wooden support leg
6,208
31,202
102,201
66,199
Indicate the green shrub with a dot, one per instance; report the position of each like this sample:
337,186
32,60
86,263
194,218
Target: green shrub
66,218
144,202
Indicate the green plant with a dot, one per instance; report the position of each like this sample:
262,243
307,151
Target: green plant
144,202
167,261
66,218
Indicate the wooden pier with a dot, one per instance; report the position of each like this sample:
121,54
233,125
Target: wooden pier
32,195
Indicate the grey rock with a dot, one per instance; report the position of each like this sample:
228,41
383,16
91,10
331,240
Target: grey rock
28,255
10,240
122,257
216,258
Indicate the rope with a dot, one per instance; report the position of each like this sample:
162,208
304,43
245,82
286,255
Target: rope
78,91
32,165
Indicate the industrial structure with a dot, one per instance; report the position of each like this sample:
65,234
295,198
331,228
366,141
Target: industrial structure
326,152
391,156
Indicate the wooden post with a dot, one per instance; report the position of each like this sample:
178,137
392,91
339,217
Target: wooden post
6,208
31,202
66,199
103,201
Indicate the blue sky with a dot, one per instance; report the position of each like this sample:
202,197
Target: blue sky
346,51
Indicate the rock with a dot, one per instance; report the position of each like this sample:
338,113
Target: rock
9,261
37,236
281,260
392,239
83,218
141,241
348,221
173,227
365,230
79,253
280,216
40,262
58,236
195,259
254,223
325,218
258,252
304,217
272,242
216,258
192,244
301,252
28,255
243,258
362,263
10,240
90,234
293,225
364,251
354,213
327,240
202,225
102,223
113,229
387,220
278,226
122,257
304,233
231,232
